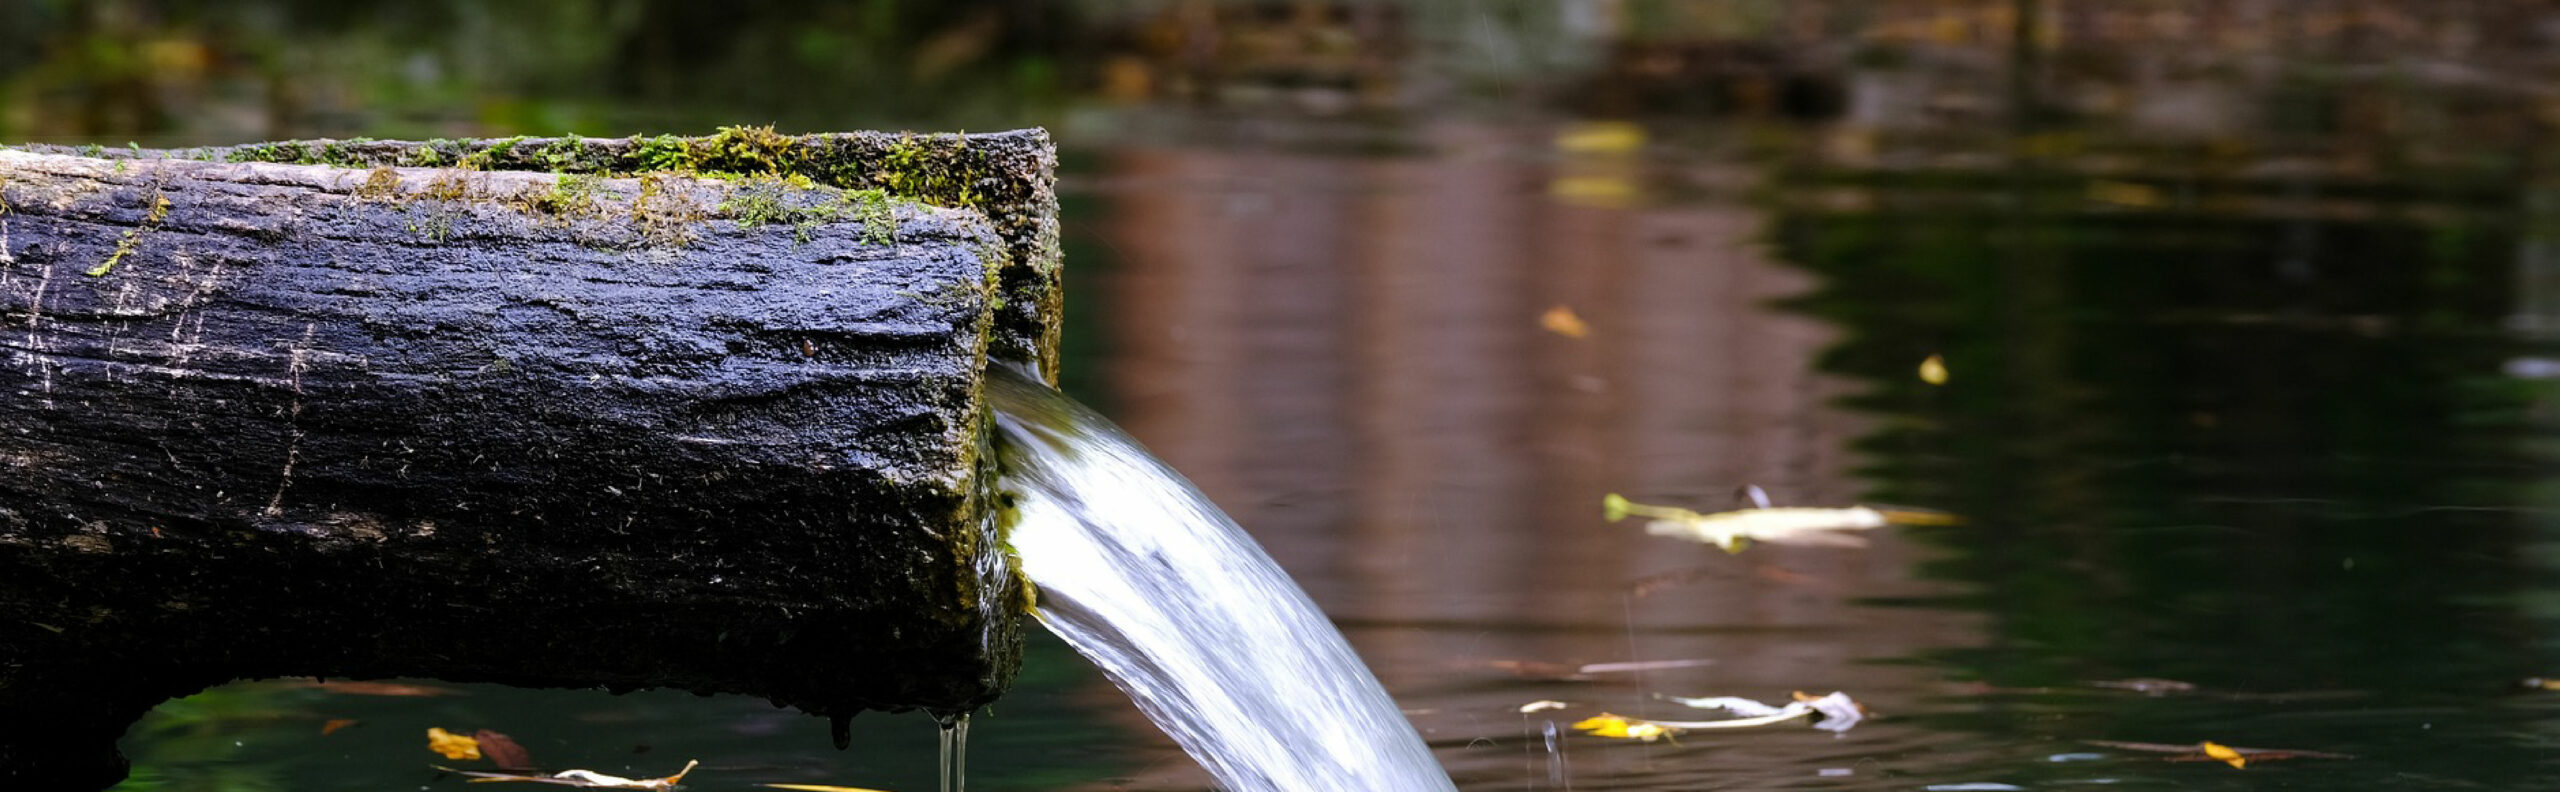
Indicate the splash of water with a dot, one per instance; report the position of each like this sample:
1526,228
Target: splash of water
1149,580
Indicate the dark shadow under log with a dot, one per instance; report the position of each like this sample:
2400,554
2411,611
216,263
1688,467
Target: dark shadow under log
612,427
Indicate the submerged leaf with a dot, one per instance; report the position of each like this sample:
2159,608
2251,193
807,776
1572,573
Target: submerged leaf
1562,321
1934,370
334,725
452,746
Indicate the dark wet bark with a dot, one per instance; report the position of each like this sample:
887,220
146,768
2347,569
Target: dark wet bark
284,420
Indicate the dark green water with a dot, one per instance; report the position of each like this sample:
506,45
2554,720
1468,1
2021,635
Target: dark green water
2251,314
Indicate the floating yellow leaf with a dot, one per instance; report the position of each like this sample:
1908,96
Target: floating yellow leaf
2224,753
1561,320
1934,370
451,745
822,788
1624,728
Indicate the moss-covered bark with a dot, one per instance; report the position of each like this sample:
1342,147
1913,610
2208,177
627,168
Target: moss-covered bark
1010,177
713,426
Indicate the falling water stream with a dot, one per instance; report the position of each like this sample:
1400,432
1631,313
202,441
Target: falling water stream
955,754
1144,576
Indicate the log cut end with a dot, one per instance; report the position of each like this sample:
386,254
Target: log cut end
700,413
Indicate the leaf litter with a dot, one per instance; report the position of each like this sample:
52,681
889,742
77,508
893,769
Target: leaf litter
2209,751
1800,526
1834,713
588,779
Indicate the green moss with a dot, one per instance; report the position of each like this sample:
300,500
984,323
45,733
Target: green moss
871,208
760,200
435,208
665,216
497,152
943,178
756,202
771,175
132,238
564,154
572,196
661,153
382,185
434,153
748,150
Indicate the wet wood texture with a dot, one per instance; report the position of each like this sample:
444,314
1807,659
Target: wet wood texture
486,425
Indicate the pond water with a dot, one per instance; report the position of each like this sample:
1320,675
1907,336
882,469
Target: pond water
2250,322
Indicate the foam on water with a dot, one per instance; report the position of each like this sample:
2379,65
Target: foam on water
1148,579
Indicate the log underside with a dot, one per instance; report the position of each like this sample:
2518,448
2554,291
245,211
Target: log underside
481,425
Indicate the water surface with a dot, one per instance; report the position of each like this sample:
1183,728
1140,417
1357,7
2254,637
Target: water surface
2248,308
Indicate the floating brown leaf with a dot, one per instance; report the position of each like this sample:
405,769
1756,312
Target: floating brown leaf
334,725
503,750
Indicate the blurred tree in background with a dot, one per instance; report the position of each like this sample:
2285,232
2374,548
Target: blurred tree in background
187,71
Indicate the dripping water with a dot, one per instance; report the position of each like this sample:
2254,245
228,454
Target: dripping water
1149,580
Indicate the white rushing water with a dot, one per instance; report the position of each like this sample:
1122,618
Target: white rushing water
1148,579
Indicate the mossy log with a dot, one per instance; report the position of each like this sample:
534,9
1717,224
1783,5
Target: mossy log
439,410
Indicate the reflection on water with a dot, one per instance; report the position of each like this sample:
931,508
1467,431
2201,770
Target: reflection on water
1377,402
2248,308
